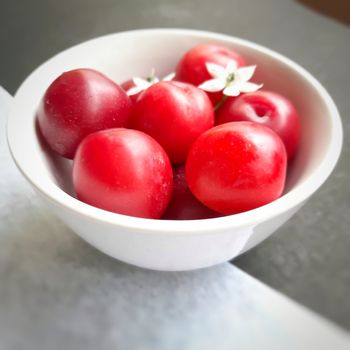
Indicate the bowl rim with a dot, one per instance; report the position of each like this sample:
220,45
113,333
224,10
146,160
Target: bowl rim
287,201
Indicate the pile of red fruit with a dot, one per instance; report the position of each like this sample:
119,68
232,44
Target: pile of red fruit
203,144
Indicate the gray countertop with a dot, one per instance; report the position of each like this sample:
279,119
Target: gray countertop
307,259
57,292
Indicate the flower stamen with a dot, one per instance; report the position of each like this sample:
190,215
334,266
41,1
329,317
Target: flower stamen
230,78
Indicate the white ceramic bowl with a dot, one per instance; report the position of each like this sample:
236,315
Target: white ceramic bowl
174,245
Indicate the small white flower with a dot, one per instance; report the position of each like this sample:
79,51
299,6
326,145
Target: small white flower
143,84
169,77
231,79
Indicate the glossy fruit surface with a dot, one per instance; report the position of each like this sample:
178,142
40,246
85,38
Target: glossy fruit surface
123,171
183,204
236,167
77,103
266,108
174,114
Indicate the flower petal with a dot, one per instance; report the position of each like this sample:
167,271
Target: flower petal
213,85
155,80
141,82
169,77
215,70
249,87
231,67
231,90
246,73
135,90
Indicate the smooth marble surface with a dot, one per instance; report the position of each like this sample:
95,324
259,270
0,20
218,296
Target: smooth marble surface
57,292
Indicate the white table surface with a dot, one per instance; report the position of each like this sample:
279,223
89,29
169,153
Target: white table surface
57,292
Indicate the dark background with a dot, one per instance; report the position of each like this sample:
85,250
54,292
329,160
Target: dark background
308,259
